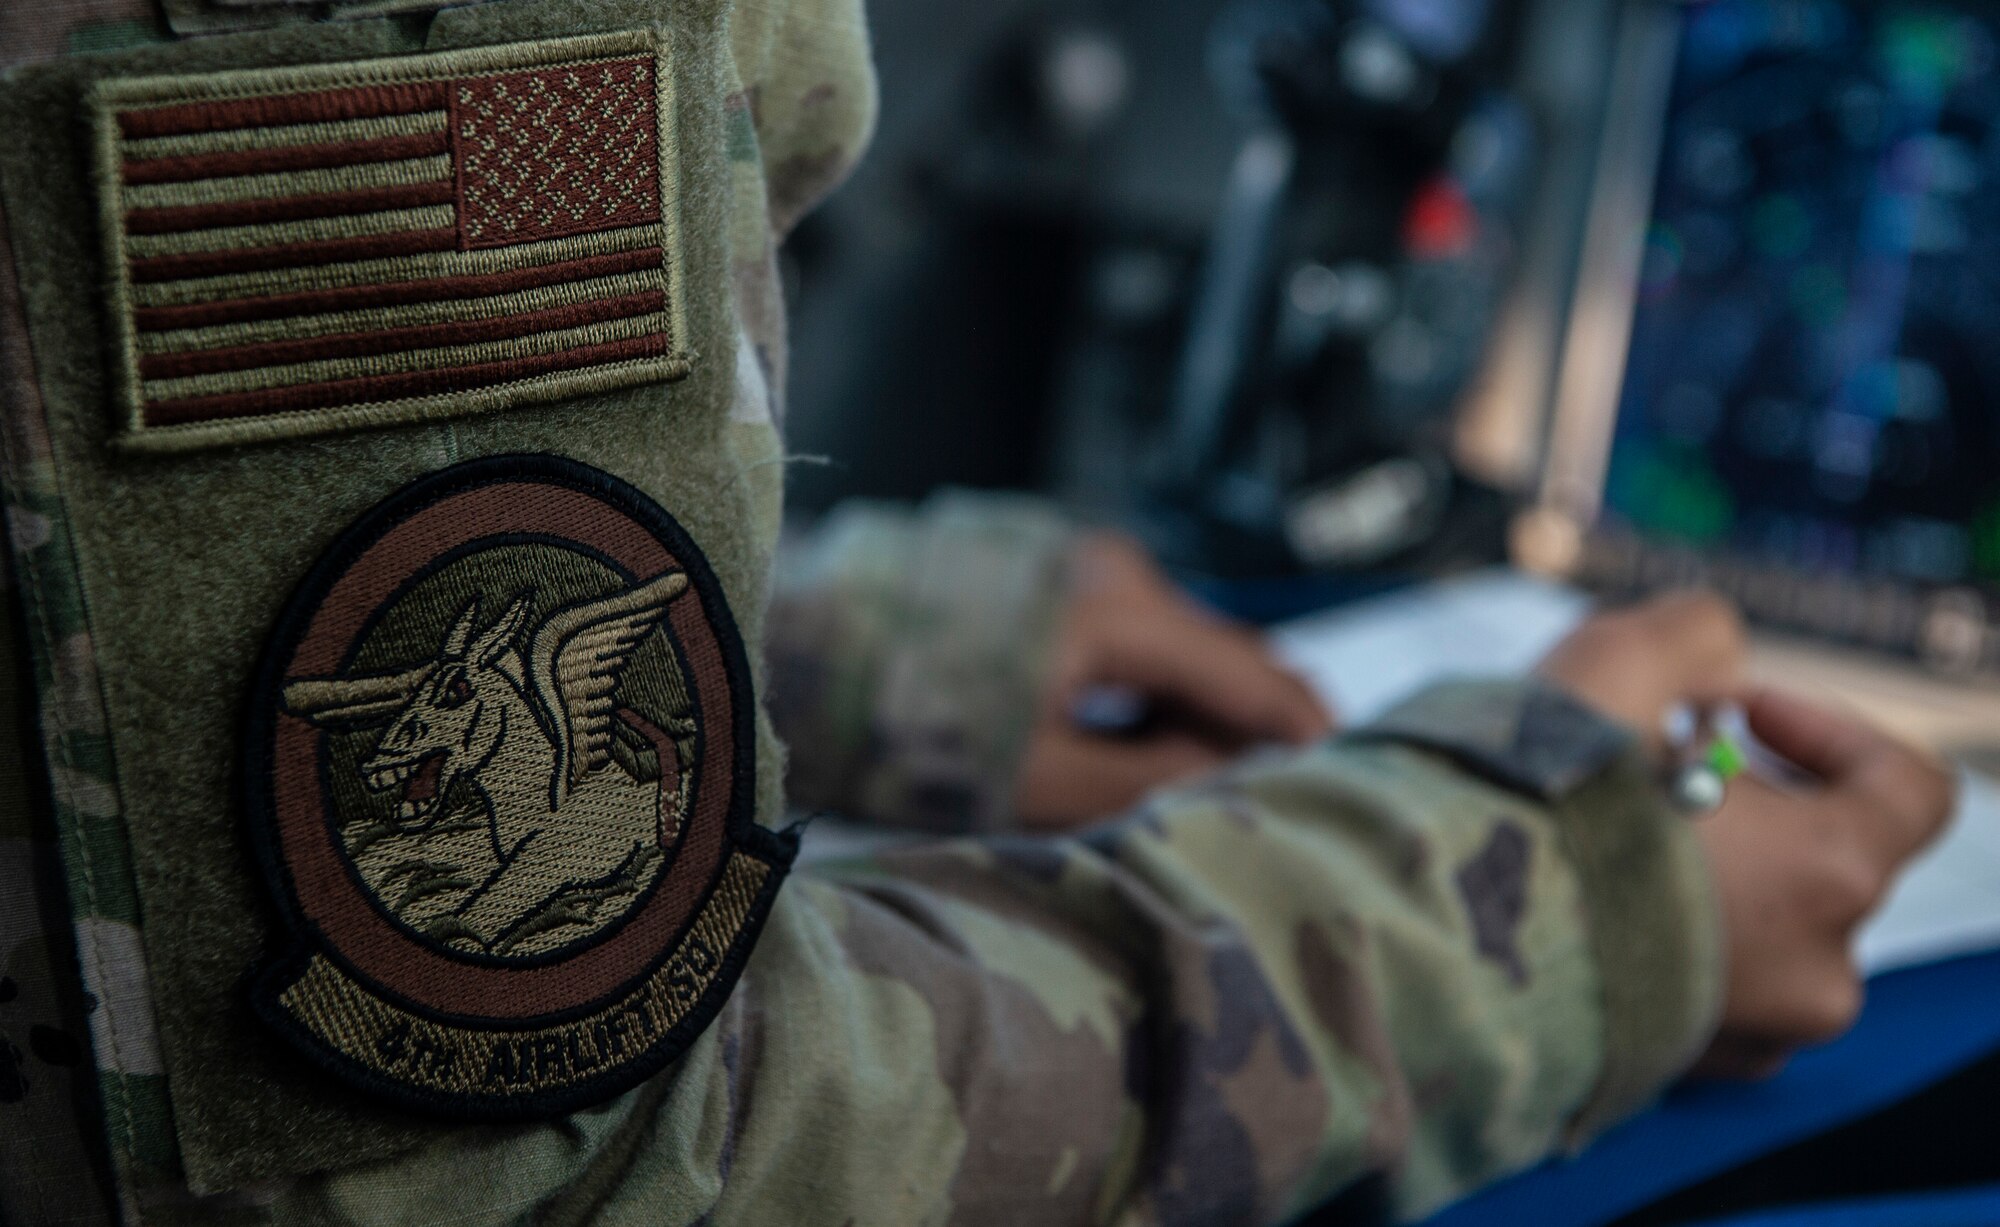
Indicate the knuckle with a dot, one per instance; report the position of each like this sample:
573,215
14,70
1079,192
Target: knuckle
1608,634
1711,620
1711,612
1699,608
1832,1008
1918,791
1933,791
1853,884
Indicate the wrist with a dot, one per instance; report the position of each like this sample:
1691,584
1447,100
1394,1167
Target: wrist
1649,910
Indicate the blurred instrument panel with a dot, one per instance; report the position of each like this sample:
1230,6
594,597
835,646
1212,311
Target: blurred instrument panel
1220,270
1806,414
1336,293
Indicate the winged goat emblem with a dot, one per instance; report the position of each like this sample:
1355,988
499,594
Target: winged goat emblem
572,782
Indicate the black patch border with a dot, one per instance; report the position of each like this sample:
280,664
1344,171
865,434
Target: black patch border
301,940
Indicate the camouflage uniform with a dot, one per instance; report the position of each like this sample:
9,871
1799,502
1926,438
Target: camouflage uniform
904,650
1420,957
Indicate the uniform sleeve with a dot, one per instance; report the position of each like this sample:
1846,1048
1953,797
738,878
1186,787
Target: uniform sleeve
907,649
809,92
1401,964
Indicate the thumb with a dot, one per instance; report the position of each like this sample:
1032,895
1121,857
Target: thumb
1219,672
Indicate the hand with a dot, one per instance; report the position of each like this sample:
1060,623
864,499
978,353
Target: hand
1636,664
1211,690
1796,871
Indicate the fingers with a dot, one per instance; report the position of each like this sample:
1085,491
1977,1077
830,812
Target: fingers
1817,1007
1217,672
1068,779
1794,883
1899,797
1811,998
1634,664
1128,626
1699,640
1743,1059
1827,743
1212,689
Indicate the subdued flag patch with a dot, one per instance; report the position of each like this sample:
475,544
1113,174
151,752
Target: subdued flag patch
309,249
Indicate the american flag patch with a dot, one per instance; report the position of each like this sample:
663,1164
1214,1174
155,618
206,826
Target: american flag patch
301,250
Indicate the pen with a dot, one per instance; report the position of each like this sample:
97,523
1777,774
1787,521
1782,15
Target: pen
1708,749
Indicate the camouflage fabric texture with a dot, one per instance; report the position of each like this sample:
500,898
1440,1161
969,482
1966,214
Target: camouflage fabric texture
1420,958
196,17
62,846
905,649
49,1164
1348,963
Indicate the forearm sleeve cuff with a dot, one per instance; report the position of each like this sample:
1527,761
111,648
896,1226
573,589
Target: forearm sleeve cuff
1654,927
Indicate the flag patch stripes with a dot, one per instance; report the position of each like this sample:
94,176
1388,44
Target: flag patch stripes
301,250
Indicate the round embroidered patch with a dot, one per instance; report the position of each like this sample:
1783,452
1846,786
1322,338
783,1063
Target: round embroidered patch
500,775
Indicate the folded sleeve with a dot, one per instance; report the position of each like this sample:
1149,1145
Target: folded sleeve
907,648
1363,968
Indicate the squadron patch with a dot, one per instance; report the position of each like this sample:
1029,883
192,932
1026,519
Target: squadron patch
500,775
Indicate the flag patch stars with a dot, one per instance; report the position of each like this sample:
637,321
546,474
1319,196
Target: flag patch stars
549,153
303,250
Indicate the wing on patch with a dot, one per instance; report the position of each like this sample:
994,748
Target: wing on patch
354,700
576,661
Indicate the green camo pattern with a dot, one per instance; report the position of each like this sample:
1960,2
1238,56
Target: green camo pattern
904,648
81,782
1354,962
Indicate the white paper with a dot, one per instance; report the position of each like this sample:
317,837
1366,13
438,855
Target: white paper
1361,658
1948,902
